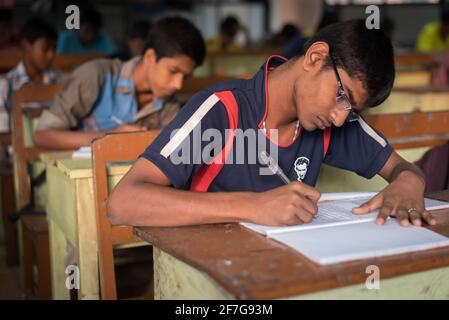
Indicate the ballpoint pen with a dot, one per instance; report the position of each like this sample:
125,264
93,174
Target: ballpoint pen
273,166
117,120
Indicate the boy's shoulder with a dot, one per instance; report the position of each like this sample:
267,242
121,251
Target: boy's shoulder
99,67
233,85
15,77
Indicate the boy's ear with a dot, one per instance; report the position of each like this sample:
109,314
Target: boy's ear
150,56
316,56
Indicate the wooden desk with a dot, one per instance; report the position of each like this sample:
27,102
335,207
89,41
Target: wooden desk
402,100
226,261
9,58
413,77
72,222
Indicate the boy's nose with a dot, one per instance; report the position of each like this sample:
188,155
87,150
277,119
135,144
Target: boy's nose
178,83
338,117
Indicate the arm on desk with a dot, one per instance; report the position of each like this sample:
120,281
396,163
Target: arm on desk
64,139
69,140
144,198
405,191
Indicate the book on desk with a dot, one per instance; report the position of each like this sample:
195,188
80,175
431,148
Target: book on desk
336,235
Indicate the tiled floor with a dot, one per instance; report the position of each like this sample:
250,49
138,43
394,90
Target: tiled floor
9,278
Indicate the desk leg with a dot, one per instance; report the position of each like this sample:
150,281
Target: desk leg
174,280
7,207
58,249
87,241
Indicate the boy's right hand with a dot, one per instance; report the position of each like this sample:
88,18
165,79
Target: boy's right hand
292,204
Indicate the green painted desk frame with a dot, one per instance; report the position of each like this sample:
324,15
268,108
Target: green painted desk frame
72,223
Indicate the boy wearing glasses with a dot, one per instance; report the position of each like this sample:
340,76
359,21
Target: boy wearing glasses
306,108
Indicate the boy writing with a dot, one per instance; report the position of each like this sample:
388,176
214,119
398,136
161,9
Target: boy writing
312,102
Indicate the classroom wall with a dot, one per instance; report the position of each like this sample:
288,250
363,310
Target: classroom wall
305,14
208,16
409,19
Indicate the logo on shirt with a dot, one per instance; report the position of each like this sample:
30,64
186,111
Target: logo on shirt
301,166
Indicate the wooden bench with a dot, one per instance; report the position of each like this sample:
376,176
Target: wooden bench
414,59
35,243
413,130
63,62
108,149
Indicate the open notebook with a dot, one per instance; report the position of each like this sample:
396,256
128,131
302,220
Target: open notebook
82,153
336,235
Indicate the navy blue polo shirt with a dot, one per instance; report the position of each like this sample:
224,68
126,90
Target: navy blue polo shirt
200,129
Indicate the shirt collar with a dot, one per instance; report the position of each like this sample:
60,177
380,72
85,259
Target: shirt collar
128,68
20,76
261,81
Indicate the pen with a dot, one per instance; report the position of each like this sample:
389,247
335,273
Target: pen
117,120
273,166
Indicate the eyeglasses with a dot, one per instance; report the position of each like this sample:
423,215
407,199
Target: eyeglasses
342,99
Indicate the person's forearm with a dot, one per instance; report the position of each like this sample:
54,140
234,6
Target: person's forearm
153,205
64,139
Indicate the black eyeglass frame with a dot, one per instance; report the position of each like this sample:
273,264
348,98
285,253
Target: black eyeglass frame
342,100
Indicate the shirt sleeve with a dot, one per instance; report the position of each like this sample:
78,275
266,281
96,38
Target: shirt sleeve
194,137
358,147
75,102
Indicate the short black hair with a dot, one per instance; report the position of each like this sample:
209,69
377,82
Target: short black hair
289,30
36,27
139,29
228,25
92,17
365,54
171,36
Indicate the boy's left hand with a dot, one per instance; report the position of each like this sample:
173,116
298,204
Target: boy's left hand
403,198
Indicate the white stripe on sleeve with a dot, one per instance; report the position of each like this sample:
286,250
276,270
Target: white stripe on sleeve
189,125
373,134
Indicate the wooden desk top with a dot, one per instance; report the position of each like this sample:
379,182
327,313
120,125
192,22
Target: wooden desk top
82,168
50,157
251,266
422,90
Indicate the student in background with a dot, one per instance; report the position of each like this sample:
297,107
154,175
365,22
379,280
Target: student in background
312,102
233,37
109,95
294,41
135,40
434,37
287,33
37,46
88,39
